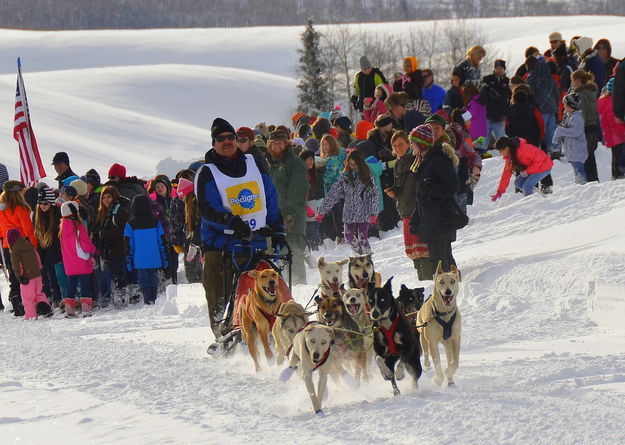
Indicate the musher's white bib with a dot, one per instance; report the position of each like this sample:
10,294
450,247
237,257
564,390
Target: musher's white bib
244,196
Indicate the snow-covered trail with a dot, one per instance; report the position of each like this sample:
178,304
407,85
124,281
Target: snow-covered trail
533,367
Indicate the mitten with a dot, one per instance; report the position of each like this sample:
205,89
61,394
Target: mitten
319,217
496,196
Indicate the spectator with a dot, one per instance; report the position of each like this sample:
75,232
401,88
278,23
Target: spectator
604,51
613,131
128,187
619,93
62,168
546,94
496,95
396,104
583,84
343,127
433,93
289,175
590,61
245,142
469,69
375,106
453,96
47,223
570,134
365,82
411,81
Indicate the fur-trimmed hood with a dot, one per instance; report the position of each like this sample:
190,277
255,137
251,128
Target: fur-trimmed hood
451,154
587,86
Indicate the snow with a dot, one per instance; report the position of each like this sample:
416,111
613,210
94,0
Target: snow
537,364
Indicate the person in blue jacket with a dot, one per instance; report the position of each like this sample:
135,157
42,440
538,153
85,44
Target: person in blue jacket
433,93
145,246
235,197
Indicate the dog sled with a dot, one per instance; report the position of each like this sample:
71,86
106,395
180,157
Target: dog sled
242,258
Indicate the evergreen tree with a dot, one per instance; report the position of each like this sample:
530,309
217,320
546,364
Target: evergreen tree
314,93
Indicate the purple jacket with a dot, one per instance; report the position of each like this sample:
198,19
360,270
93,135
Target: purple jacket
478,119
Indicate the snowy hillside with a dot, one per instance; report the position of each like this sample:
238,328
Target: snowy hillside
536,365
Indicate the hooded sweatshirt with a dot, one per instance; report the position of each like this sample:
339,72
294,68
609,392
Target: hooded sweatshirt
144,235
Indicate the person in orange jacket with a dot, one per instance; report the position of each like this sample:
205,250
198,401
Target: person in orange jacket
14,214
528,161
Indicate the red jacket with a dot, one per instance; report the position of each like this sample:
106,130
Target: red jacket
613,132
534,159
19,219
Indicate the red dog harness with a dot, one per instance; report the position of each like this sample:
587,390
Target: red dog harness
323,359
389,334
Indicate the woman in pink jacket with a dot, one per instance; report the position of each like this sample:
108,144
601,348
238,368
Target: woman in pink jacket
528,161
77,250
613,132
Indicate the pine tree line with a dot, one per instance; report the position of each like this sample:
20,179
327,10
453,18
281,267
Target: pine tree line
133,14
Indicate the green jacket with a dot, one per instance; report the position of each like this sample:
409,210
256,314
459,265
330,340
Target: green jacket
588,94
290,178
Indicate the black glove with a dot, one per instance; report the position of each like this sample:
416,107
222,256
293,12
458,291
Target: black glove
24,281
278,239
354,100
241,230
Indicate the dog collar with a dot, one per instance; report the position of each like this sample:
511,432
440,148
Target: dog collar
323,359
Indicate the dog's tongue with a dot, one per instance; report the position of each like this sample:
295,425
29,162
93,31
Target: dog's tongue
362,283
447,299
353,308
334,287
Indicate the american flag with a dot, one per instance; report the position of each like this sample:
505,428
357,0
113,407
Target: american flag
31,168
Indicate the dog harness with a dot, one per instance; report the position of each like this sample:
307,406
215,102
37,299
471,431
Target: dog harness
323,359
288,351
390,334
447,325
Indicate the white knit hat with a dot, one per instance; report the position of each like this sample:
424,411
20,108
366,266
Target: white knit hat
69,208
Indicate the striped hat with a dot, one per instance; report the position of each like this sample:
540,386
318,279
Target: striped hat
610,85
46,194
422,136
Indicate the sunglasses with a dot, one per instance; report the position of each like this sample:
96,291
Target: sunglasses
243,140
112,178
221,138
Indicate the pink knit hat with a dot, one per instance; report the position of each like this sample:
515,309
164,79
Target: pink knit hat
184,187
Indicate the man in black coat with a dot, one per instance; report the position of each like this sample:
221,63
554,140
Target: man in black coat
496,92
62,168
437,183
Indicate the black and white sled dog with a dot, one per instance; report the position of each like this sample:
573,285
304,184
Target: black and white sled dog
393,339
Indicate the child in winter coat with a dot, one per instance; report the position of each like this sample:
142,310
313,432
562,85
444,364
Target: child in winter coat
528,161
76,249
27,266
145,246
361,207
14,214
571,137
374,106
47,224
333,158
613,132
314,199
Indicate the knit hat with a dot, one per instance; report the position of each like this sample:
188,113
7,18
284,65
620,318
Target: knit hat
13,186
610,85
221,126
555,37
344,122
312,144
69,208
93,178
582,44
304,131
80,186
12,236
260,142
278,136
60,157
501,63
306,154
321,127
184,187
364,63
245,132
261,127
383,120
118,170
422,136
436,119
69,190
46,194
573,100
362,129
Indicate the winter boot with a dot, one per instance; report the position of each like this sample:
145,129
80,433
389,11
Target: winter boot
85,304
70,307
44,309
18,308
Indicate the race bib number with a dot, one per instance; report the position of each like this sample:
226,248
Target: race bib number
244,198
